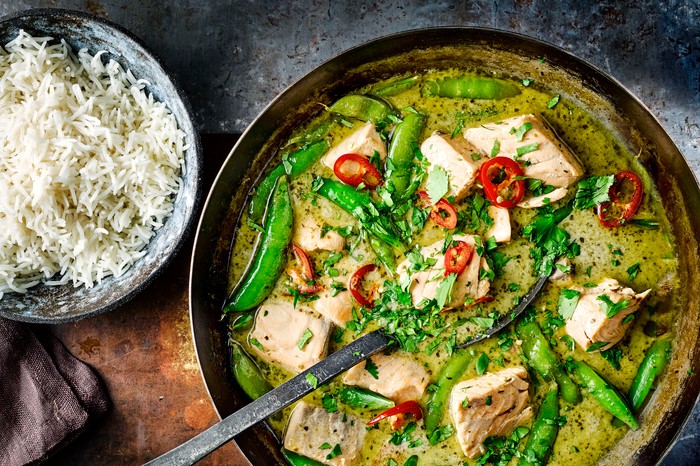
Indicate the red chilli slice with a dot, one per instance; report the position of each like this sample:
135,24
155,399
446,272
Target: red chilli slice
307,272
614,213
355,286
508,191
442,212
407,407
354,169
457,257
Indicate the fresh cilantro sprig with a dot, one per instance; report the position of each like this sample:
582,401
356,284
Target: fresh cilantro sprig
593,191
550,240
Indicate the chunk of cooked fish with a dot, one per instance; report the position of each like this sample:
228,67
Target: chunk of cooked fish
561,276
278,328
501,228
490,405
310,426
364,141
457,157
552,162
310,237
589,323
337,308
399,378
424,284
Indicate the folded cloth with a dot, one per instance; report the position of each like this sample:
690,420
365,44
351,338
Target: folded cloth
47,396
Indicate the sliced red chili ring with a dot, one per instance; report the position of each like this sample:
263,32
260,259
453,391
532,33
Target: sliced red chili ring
354,169
442,212
355,285
457,257
614,213
307,272
498,177
406,407
483,299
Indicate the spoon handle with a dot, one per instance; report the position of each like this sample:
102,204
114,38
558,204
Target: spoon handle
275,400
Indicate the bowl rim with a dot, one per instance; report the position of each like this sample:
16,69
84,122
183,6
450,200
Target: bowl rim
197,155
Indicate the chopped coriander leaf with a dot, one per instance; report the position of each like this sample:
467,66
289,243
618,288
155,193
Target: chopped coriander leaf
335,452
392,462
372,368
615,262
458,128
488,400
550,240
441,434
475,156
304,339
437,184
628,318
537,187
522,150
496,148
483,322
568,299
312,379
526,82
325,446
513,287
465,403
596,346
552,103
329,403
593,191
443,294
613,356
611,308
633,271
338,338
524,128
482,364
257,344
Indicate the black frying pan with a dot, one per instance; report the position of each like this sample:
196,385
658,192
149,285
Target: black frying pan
415,51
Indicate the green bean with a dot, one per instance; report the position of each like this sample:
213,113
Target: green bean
471,88
360,205
299,162
384,252
412,461
270,257
401,152
362,107
296,459
545,361
658,355
449,374
604,392
247,374
396,87
359,398
544,431
314,134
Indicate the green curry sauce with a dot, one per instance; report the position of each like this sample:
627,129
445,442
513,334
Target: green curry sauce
587,431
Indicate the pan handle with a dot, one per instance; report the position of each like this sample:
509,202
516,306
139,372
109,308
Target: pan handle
275,400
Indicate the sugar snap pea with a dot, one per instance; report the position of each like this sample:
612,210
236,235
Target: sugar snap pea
545,361
296,459
360,205
271,255
362,107
449,374
359,398
603,391
298,162
544,431
402,150
396,87
247,374
384,252
315,134
658,355
471,88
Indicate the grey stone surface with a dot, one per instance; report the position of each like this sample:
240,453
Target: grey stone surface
234,57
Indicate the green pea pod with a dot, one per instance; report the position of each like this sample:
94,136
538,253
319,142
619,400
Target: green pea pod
471,88
401,152
300,161
658,355
396,87
448,377
545,361
544,431
296,459
247,374
271,256
412,461
362,107
314,134
359,204
384,252
359,398
604,392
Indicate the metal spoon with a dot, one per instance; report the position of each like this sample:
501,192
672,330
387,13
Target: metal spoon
279,398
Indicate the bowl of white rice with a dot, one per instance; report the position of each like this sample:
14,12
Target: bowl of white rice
100,166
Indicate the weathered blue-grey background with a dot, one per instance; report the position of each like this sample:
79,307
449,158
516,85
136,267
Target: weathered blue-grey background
234,57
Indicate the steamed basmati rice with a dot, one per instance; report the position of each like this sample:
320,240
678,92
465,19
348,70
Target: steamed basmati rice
89,166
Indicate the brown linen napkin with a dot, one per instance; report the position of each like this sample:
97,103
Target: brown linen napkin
47,396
